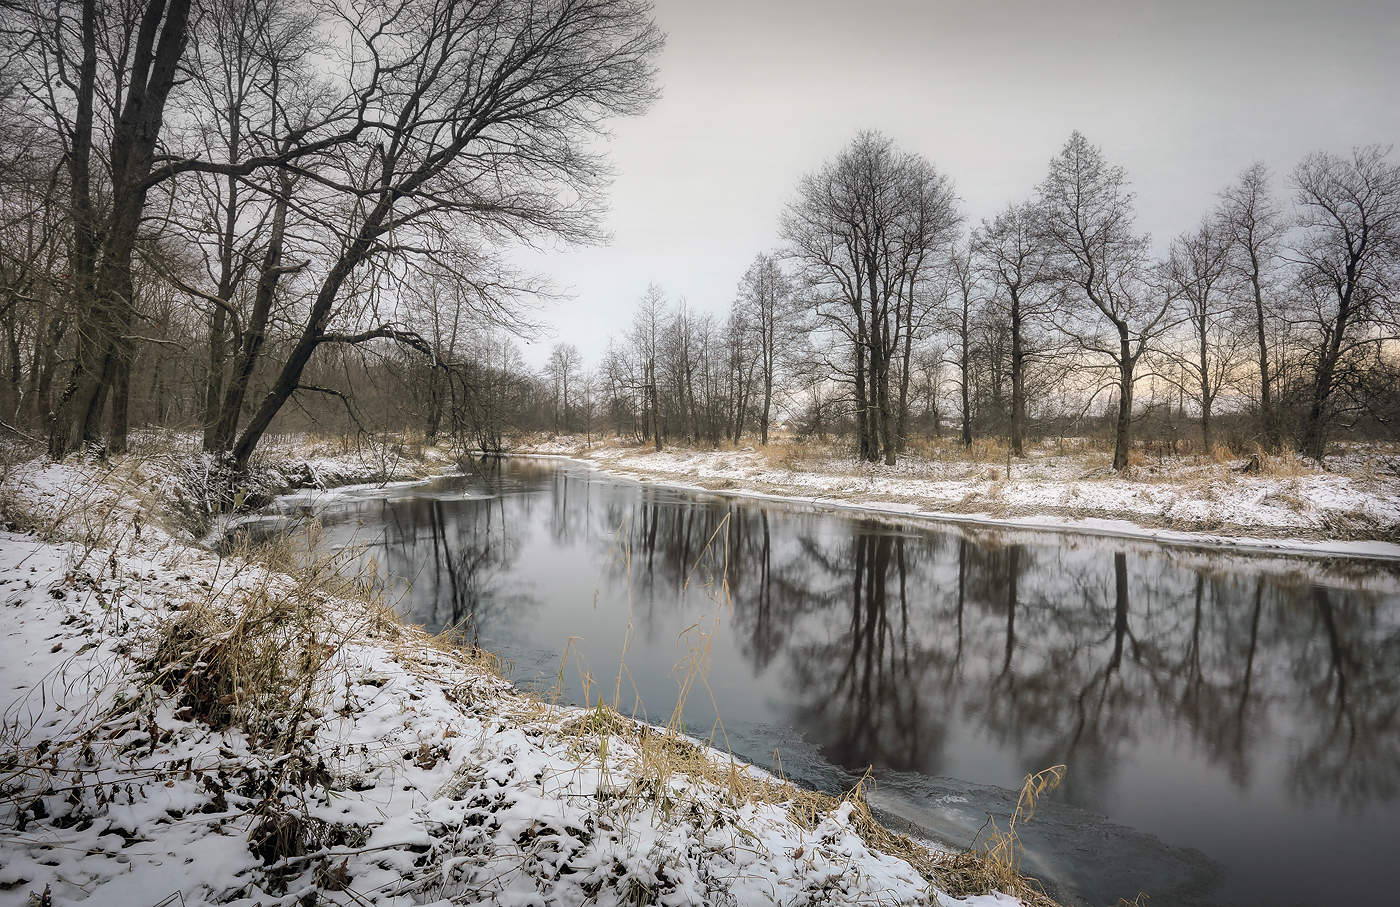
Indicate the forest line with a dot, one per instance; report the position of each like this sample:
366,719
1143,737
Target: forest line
243,216
886,315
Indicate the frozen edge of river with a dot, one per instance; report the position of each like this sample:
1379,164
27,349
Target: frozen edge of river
1387,552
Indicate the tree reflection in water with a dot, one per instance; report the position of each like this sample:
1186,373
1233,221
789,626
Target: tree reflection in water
924,649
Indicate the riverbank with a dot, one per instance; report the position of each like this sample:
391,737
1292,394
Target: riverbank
180,726
1352,509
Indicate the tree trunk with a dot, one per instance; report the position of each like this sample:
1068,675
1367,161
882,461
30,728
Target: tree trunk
906,354
874,411
218,352
15,375
1122,435
43,387
1266,406
887,420
289,379
767,402
65,427
651,409
121,403
103,283
1314,441
964,365
214,383
255,334
862,416
1206,396
1018,380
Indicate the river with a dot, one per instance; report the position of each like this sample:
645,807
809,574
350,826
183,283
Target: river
1230,723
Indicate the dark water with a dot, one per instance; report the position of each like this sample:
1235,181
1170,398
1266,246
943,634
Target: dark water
1231,724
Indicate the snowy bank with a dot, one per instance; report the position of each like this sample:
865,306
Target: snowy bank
1352,510
178,727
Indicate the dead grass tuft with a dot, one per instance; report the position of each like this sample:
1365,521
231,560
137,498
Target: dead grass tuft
1220,454
1285,463
794,456
996,864
256,658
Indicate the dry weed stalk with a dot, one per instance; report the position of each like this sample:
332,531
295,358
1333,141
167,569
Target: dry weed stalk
996,865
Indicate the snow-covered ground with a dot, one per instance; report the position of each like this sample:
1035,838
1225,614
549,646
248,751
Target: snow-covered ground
180,727
1352,508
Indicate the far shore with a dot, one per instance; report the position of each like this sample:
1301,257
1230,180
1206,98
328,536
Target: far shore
893,494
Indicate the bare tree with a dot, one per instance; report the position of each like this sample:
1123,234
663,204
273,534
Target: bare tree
33,314
564,368
101,75
248,93
1197,270
647,328
1010,252
929,369
1253,226
740,362
1096,253
864,230
482,109
1348,255
620,382
961,323
765,296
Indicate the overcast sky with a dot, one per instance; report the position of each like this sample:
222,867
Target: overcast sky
1184,93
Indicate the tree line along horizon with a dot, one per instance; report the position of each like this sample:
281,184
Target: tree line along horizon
883,315
244,216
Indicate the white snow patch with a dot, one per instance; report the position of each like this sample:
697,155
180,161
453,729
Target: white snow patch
1175,501
420,777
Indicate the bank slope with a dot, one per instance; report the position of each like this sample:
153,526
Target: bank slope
181,727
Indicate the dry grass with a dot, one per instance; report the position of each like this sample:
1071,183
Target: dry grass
996,864
657,758
1286,463
661,764
260,649
258,657
793,456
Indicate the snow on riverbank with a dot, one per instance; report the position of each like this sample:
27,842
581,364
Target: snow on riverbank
1351,510
182,728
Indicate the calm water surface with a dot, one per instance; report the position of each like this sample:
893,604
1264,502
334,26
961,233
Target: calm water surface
1231,724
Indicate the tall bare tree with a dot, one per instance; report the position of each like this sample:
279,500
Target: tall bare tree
962,322
648,326
101,74
865,230
565,368
1253,225
249,84
481,111
1348,256
1096,253
1011,253
1197,269
765,296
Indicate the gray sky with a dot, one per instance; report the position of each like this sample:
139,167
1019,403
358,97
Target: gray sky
1184,94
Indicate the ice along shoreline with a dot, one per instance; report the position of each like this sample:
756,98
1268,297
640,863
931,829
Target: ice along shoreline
1107,527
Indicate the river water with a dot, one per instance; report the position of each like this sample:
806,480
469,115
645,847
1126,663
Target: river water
1231,724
